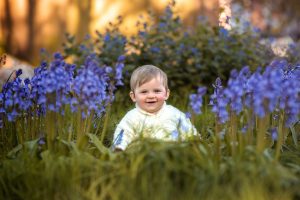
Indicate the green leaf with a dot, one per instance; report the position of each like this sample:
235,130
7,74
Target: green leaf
13,153
98,144
294,135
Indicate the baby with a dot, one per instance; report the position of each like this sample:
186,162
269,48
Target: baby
151,117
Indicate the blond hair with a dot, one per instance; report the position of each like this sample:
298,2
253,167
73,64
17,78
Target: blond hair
145,73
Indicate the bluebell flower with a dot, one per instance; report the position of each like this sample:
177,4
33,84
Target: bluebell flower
54,80
106,37
58,56
18,72
162,25
119,71
83,47
195,51
223,32
196,100
41,141
119,76
15,98
244,129
276,87
274,133
188,115
90,86
11,116
121,58
155,49
289,99
246,24
235,91
219,102
87,37
256,30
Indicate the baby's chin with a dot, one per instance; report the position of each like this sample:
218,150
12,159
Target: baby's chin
152,110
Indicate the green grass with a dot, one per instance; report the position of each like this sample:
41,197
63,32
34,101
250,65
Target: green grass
148,169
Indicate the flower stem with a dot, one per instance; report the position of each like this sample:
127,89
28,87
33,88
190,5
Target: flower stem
217,141
106,118
233,133
50,129
262,129
249,128
281,134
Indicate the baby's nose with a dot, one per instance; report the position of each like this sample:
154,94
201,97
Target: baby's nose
151,95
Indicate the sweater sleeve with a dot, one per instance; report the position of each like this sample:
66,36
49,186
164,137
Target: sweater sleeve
123,134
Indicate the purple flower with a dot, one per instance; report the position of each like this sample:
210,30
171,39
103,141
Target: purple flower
219,102
119,70
274,133
106,37
188,115
196,100
58,56
223,32
90,87
121,58
41,141
155,49
19,72
235,90
54,81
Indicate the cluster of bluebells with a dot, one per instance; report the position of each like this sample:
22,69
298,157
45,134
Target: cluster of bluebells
15,96
51,85
86,88
269,91
89,87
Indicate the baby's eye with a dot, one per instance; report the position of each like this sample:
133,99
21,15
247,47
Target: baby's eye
157,91
143,91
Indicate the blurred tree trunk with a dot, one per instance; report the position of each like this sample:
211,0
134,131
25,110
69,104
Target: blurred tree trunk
84,8
28,53
7,27
211,12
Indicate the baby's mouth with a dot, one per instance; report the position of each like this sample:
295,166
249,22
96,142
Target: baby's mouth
151,102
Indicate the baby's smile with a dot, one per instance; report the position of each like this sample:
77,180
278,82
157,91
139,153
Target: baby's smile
151,102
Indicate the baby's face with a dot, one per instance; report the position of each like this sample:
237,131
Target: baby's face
151,95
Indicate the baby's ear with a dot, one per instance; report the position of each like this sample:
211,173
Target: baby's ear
132,96
167,94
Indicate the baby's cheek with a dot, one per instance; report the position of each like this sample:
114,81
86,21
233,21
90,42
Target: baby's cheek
162,97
